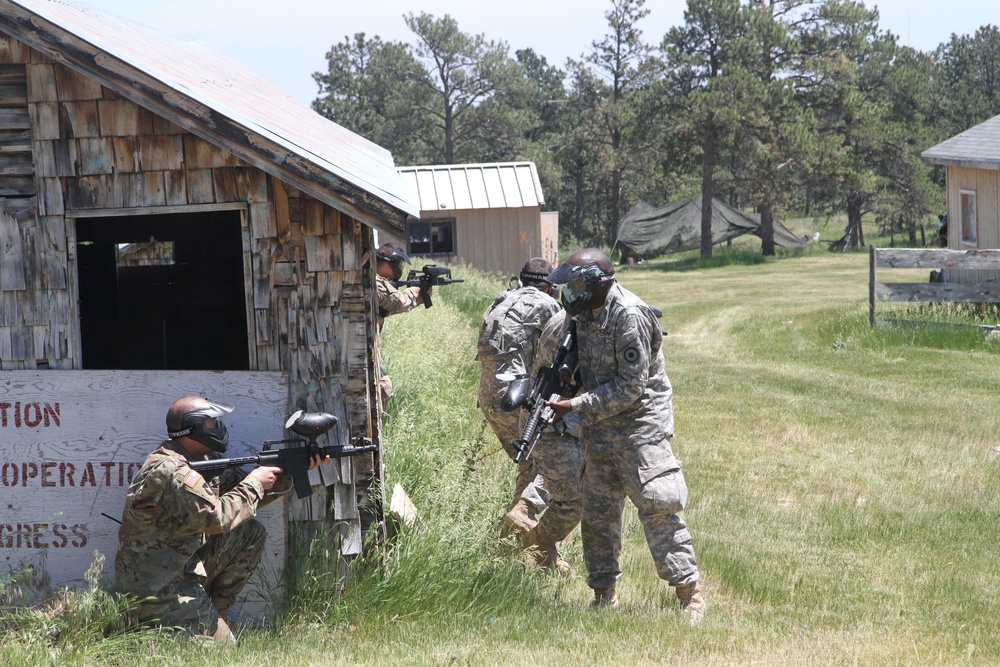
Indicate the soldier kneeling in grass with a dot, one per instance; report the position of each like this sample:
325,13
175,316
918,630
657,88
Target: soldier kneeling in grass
187,546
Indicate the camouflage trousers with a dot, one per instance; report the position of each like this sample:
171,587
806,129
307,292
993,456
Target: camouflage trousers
196,603
559,460
507,427
648,475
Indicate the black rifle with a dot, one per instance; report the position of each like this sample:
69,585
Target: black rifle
294,460
431,275
547,387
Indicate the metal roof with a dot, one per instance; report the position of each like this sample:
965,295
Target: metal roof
978,147
210,95
473,186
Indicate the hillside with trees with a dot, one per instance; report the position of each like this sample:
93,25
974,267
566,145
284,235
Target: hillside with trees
775,106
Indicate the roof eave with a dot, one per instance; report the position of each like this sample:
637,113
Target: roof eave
955,161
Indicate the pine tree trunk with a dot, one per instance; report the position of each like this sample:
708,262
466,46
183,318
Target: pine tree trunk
766,229
578,205
854,235
707,186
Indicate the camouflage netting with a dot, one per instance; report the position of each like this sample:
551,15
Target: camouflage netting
649,232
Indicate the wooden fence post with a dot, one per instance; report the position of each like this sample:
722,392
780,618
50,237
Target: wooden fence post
871,284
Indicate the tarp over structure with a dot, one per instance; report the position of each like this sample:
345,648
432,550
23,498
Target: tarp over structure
649,232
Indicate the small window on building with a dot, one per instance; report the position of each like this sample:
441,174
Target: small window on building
970,225
431,237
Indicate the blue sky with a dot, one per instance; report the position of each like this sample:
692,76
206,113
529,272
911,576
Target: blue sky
285,41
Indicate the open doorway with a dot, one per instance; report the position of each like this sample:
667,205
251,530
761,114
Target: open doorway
163,292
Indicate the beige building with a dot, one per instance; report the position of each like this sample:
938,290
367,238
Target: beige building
972,166
488,215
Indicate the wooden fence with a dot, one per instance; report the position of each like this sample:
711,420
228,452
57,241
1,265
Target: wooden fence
931,259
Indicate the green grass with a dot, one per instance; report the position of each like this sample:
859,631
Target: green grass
842,499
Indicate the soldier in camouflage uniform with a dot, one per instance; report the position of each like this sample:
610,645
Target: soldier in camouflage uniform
187,546
389,267
627,424
391,301
507,339
558,459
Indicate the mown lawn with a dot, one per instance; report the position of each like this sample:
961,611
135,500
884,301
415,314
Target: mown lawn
843,499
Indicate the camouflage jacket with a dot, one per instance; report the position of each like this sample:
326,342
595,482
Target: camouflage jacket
511,326
392,301
627,399
169,510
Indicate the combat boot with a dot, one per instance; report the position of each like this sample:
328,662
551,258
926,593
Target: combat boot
548,556
605,597
693,605
223,634
521,517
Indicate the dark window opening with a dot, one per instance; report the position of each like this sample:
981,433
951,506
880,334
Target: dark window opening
431,237
162,292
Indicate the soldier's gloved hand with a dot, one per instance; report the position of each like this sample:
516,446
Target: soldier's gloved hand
266,475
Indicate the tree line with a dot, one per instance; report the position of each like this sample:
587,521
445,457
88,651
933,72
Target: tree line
770,105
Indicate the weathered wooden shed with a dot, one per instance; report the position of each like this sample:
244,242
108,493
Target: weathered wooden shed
972,168
171,224
489,215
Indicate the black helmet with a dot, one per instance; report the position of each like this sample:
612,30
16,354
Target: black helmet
390,252
204,426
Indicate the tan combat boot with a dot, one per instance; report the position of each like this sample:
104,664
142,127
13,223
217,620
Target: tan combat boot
548,556
223,634
521,517
605,597
693,605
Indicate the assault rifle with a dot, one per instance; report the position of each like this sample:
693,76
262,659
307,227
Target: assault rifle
546,387
295,458
431,275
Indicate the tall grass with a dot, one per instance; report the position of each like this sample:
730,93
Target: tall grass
843,498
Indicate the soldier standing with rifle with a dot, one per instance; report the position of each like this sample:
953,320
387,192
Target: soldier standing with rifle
187,546
389,260
508,336
627,417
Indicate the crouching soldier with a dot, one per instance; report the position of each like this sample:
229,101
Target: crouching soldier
187,546
508,335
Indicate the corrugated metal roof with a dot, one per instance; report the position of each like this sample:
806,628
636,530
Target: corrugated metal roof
977,147
471,186
196,74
